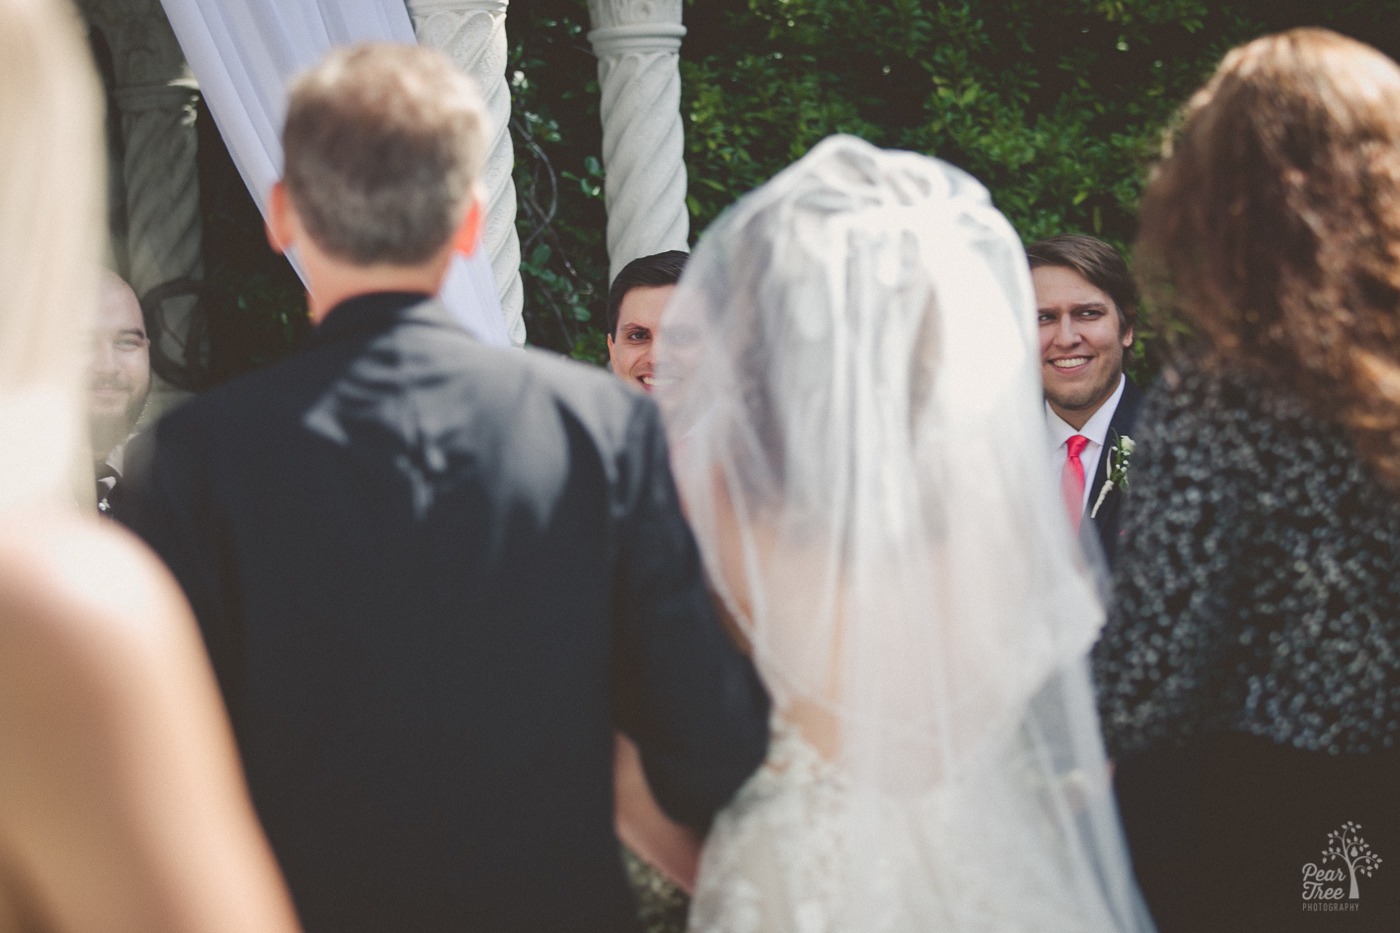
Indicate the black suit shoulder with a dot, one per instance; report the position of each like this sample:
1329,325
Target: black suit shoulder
1121,425
1125,416
596,398
475,558
443,364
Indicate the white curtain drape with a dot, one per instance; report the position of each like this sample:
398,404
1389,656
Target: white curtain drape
244,51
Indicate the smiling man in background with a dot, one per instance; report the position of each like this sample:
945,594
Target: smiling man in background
1086,303
638,296
119,379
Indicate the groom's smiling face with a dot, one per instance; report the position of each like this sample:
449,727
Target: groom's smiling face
1082,340
632,350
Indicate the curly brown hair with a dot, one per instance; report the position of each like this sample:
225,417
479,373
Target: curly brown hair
1272,224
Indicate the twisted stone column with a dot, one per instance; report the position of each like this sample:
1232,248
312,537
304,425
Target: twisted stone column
473,34
156,98
638,47
164,233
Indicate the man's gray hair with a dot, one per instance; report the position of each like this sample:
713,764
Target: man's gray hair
383,146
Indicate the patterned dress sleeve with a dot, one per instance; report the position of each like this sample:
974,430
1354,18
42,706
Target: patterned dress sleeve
1180,567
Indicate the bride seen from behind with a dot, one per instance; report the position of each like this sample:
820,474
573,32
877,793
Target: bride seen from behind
122,806
857,433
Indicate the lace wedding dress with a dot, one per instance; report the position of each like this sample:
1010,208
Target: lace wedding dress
781,859
850,378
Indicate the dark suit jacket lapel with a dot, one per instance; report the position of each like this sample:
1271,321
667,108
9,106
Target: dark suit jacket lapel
1124,418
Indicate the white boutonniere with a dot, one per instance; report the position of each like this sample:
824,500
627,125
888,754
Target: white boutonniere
1118,456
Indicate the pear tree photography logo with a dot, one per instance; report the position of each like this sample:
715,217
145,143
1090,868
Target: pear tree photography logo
1335,884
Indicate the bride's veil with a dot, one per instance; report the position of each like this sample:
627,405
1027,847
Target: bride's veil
851,385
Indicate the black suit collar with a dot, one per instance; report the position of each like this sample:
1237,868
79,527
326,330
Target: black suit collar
1120,425
375,312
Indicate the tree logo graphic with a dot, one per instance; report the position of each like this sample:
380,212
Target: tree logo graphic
1347,846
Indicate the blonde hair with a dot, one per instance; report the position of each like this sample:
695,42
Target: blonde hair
51,231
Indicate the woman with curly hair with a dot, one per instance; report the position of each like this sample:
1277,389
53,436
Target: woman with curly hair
1249,676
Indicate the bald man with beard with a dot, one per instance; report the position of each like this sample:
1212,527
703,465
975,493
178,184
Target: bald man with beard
119,379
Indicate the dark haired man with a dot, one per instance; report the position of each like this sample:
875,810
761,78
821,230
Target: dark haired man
668,854
635,302
1086,304
434,577
119,379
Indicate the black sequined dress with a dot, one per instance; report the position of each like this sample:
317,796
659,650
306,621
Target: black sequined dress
1249,674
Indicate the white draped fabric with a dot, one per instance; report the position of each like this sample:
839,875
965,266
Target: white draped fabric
244,51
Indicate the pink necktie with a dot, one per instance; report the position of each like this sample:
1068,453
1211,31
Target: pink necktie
1072,478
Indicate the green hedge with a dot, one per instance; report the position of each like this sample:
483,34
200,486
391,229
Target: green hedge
1057,107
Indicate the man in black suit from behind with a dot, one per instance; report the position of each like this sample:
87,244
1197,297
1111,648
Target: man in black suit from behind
1086,302
433,576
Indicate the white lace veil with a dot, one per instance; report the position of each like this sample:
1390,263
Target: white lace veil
850,381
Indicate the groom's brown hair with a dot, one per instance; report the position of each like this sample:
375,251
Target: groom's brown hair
1099,263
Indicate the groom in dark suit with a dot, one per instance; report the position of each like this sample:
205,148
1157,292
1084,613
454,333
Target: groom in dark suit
1086,304
434,577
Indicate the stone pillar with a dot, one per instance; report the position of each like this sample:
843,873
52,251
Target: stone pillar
638,47
473,34
156,97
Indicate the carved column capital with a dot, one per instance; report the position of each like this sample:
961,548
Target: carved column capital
144,48
608,14
622,26
428,7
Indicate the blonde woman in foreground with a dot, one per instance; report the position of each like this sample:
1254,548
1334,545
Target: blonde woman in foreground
122,807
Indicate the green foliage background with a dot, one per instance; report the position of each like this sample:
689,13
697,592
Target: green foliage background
1056,106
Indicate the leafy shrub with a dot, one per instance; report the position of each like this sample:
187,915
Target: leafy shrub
1058,108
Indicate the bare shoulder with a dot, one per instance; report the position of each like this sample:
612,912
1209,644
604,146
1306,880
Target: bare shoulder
91,632
70,583
114,742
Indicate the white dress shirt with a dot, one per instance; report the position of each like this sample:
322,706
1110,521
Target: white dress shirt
1095,429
